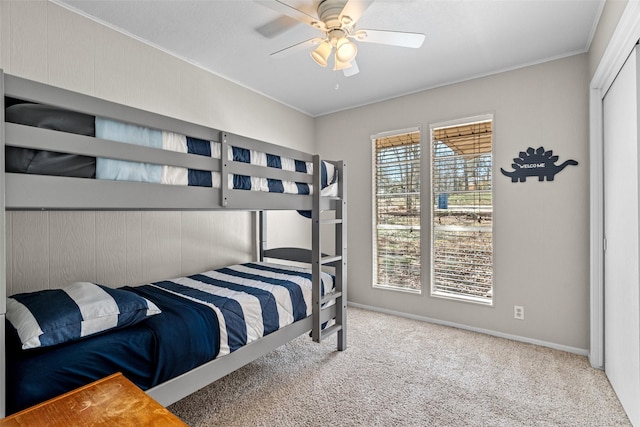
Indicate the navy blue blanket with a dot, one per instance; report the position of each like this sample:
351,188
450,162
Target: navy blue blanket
182,337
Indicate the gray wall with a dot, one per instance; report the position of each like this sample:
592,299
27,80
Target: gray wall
45,42
541,232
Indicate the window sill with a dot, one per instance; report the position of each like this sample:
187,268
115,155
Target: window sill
398,289
463,298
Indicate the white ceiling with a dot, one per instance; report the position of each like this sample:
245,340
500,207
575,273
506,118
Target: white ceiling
465,39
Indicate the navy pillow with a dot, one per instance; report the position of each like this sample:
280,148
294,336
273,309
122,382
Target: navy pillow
82,309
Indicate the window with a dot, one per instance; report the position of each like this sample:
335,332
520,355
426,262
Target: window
462,211
396,256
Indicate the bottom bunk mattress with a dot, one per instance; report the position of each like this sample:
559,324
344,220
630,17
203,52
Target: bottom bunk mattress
200,317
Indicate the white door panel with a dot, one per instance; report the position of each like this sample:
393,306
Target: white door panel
622,273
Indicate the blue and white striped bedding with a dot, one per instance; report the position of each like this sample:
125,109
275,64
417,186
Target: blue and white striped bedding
131,171
81,309
130,134
250,300
202,317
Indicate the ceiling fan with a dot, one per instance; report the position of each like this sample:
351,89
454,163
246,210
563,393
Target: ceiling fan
336,19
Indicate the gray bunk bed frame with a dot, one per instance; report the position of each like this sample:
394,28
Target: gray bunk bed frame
37,192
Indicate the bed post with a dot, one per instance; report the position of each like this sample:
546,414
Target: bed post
224,164
3,257
341,249
262,225
316,253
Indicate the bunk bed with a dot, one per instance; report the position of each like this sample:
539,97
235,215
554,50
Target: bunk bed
53,167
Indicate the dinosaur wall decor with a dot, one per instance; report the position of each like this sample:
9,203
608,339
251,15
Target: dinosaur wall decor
538,163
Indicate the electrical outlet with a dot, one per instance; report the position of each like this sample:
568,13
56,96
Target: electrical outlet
518,312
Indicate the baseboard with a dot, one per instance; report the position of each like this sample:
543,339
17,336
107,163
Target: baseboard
574,350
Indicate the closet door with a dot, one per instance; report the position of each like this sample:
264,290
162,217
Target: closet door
622,271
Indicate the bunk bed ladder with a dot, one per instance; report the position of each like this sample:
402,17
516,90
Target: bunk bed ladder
338,261
332,306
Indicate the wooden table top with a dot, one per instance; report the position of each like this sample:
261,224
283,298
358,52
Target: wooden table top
111,401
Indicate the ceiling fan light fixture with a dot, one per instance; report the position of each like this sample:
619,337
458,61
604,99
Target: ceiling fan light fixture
340,65
337,19
321,53
345,50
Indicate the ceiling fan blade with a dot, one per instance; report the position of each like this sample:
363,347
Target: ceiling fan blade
292,12
353,70
296,48
276,27
354,9
393,38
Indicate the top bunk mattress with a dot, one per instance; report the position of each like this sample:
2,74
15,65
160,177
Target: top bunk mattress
47,162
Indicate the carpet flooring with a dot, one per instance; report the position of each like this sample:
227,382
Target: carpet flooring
403,372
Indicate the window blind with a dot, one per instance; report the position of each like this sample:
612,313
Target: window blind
397,211
462,212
